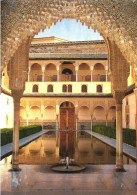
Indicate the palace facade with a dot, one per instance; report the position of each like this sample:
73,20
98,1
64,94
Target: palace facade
67,81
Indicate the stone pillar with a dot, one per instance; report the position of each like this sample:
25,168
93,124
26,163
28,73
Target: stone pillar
106,119
17,94
91,69
57,122
76,69
57,73
119,72
76,122
27,113
119,136
42,121
135,91
17,77
76,117
28,74
42,115
43,73
57,129
106,68
91,121
27,120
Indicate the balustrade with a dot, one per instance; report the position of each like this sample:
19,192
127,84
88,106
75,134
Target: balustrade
70,77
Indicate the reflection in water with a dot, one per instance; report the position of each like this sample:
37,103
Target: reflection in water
47,150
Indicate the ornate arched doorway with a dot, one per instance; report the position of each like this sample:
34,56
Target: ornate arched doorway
67,125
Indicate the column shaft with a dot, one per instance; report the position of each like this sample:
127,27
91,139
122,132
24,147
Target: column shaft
57,130
43,73
15,155
106,120
27,121
91,75
28,76
76,75
106,76
119,137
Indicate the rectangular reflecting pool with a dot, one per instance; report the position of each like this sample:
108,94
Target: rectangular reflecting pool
51,147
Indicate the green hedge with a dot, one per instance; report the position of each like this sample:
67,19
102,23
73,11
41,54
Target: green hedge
7,133
129,135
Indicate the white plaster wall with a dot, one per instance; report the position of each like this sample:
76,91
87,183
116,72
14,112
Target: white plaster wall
6,109
76,87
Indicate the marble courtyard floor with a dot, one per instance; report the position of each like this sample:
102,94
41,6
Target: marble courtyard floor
96,179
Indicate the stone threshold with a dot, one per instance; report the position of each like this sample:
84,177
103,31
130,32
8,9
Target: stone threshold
127,149
7,149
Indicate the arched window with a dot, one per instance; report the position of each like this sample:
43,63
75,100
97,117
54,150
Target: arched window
84,88
99,88
50,88
69,88
64,88
35,88
67,71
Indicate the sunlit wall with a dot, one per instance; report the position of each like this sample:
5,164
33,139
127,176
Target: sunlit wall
6,111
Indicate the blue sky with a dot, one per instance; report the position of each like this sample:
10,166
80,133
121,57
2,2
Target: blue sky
70,30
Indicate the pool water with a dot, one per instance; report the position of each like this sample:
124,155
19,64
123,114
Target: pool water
51,147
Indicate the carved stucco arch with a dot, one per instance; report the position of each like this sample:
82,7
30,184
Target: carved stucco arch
84,63
113,19
34,64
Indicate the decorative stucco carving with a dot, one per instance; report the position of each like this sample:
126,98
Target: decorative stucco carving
113,19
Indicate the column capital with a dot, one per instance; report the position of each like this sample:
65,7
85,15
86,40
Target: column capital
92,68
106,68
58,67
119,96
76,68
43,68
17,94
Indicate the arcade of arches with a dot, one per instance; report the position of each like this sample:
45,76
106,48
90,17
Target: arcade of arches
109,19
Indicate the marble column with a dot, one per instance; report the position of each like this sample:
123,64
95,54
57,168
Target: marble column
17,78
57,129
76,69
28,75
119,135
27,120
42,121
57,73
106,76
106,120
43,73
106,69
91,69
135,91
76,117
91,121
15,155
76,75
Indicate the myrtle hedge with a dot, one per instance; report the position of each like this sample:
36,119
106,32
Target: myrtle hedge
129,135
7,133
